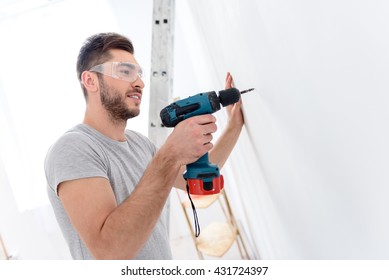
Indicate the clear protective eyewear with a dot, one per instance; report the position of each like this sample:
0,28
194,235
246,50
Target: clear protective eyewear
125,71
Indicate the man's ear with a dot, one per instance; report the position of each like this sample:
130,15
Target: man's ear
90,81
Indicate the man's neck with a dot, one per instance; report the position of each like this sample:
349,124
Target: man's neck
105,125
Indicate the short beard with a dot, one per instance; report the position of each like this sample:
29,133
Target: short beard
115,104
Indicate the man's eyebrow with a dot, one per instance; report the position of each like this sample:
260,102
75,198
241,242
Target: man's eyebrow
129,65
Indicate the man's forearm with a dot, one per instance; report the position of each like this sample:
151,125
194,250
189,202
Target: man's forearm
224,145
128,227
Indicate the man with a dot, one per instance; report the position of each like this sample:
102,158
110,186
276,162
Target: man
108,185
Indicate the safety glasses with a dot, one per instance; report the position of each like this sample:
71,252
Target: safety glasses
125,71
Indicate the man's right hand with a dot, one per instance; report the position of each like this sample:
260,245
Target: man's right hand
191,139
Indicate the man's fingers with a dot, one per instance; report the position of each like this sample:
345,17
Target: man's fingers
229,81
210,128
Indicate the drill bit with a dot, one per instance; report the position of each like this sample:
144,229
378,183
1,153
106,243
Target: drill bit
247,90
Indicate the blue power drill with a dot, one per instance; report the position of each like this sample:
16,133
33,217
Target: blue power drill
202,177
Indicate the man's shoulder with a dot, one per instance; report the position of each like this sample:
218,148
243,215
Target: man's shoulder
72,136
75,138
74,155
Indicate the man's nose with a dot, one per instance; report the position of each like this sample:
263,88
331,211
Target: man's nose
138,83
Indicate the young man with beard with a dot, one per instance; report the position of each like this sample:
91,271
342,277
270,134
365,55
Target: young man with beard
108,185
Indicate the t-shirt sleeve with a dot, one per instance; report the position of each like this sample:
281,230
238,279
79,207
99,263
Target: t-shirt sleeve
74,156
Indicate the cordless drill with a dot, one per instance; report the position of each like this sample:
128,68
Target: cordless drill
202,177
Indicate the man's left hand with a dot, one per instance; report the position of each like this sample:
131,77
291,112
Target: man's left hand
234,111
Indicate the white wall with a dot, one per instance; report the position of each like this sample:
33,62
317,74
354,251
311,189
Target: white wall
310,170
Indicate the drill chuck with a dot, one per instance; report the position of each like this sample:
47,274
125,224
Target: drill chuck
229,96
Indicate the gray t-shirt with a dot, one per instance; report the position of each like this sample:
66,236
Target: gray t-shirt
83,152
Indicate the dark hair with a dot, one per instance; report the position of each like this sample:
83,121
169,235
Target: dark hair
95,50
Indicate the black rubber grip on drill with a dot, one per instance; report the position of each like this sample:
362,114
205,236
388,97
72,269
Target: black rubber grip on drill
166,118
229,96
